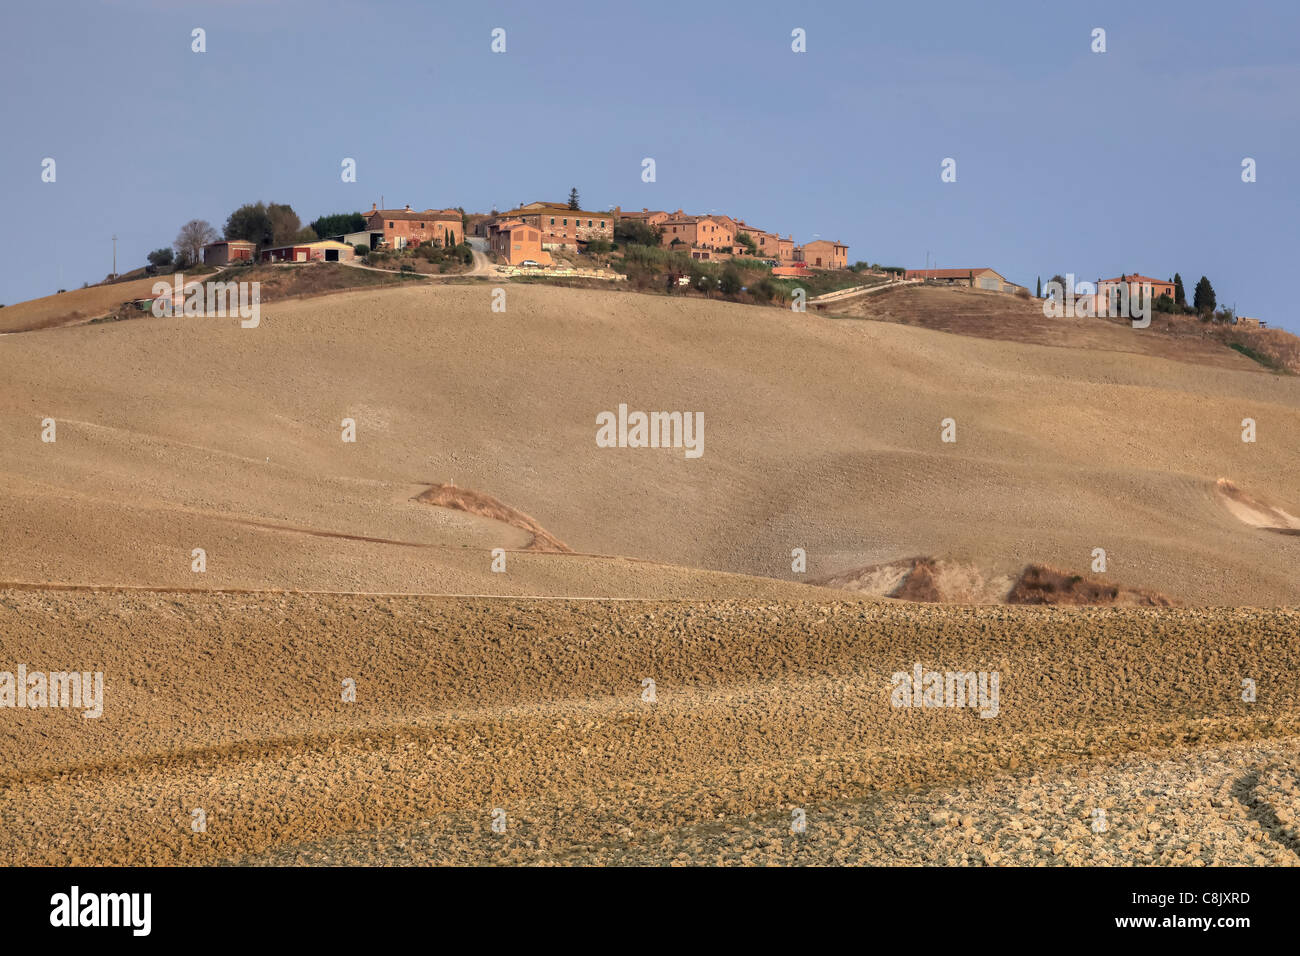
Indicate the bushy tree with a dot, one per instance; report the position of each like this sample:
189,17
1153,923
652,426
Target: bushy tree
1203,299
285,223
573,198
746,240
338,224
160,258
252,223
194,235
636,232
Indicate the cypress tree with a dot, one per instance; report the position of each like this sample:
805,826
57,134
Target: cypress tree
1203,299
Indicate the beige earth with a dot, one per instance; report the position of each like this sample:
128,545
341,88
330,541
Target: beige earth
234,705
499,588
820,434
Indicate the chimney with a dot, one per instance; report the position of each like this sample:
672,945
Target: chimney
373,207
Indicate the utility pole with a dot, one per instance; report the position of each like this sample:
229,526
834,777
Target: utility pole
114,255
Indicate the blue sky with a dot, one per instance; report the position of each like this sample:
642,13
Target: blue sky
1067,160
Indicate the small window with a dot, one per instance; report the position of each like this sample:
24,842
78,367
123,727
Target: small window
390,225
566,222
552,220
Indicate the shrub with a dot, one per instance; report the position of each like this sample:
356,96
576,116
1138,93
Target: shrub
731,282
635,232
361,249
763,290
598,246
160,257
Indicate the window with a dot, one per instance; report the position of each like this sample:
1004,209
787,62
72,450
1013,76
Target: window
589,223
602,224
390,225
566,222
421,225
552,220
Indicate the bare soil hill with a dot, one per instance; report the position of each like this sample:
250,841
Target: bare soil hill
74,306
821,435
996,315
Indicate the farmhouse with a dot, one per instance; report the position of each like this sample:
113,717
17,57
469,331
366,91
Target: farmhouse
767,245
227,251
403,227
977,278
517,242
823,254
702,232
562,227
322,250
1141,288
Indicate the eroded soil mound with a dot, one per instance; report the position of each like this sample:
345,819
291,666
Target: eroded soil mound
939,581
1255,510
485,506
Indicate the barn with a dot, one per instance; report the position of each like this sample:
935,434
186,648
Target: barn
227,251
322,250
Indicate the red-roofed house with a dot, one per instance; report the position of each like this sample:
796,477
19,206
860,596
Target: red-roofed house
403,227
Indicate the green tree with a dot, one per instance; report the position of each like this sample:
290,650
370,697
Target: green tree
1038,292
338,224
250,222
160,257
1061,284
1203,299
637,233
746,240
731,281
1180,297
573,198
285,223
